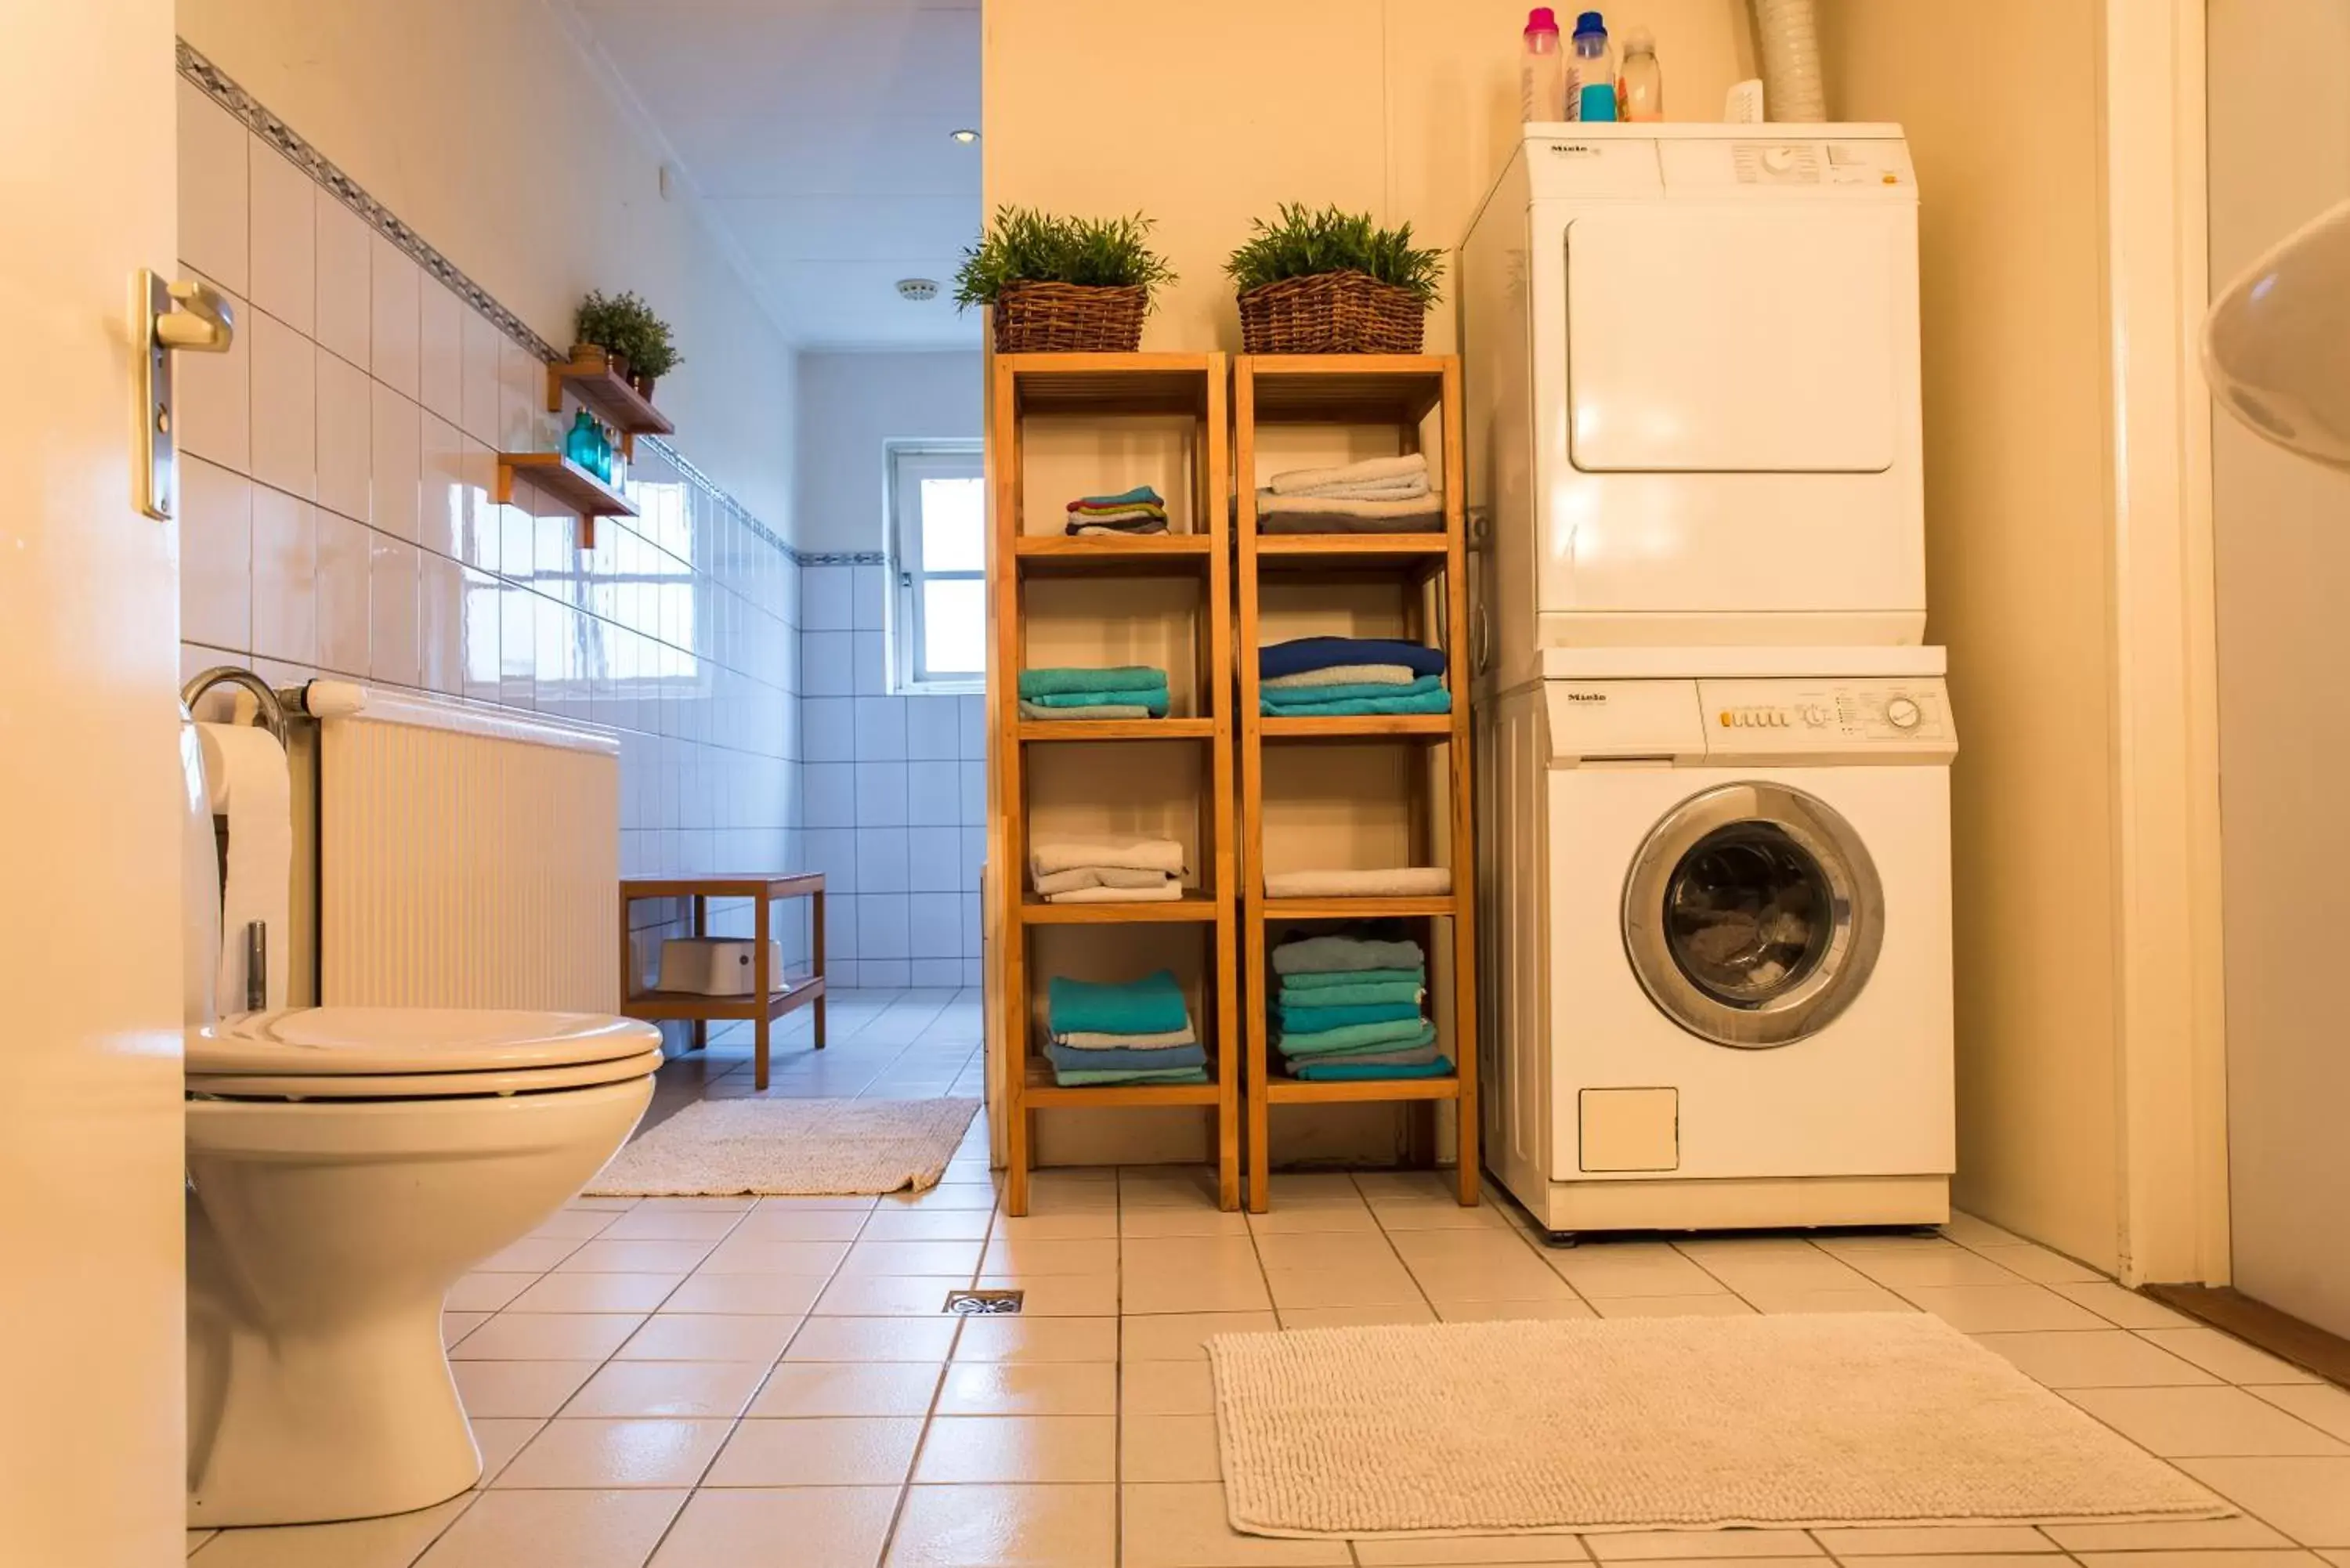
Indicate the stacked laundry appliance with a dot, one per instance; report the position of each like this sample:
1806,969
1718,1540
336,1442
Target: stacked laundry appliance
1713,825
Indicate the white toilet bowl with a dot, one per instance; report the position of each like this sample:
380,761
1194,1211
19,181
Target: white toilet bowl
347,1166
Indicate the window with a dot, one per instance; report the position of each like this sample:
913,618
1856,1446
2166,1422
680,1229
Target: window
938,510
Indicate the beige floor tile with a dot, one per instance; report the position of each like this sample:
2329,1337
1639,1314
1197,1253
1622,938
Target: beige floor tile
1168,1448
597,1293
813,1205
980,1196
196,1538
1448,1214
1632,1268
1182,1336
1059,1295
1671,1306
1328,1250
2308,1498
1144,1224
1511,1312
2203,1423
1356,1316
2123,1309
389,1542
1810,1270
1940,1267
2321,1405
1470,1551
2339,1559
1847,1245
576,1528
549,1336
1292,1220
2205,1559
518,1388
1143,1291
1997,1309
674,1225
1659,1546
735,1256
1006,1527
1032,1255
802,1388
774,1295
2227,1357
1018,1451
684,1390
1080,1225
957,1258
1915,1540
1029,1389
485,1293
833,1451
838,1527
604,1256
615,1453
888,1295
872,1339
1965,1560
1183,1525
1391,1284
803,1225
710,1336
740,1205
1867,1298
1023,1338
1166,1389
925,1225
2106,1359
500,1439
2041,1265
1968,1231
1504,1278
456,1325
576,1223
1167,1187
601,1205
2187,1536
1187,1254
531,1255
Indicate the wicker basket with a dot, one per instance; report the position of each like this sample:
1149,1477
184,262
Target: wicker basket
1331,313
1069,318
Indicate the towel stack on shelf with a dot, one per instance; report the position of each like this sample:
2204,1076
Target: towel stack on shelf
1353,1006
1383,495
1136,1032
1124,692
1107,870
1347,676
1140,510
1382,882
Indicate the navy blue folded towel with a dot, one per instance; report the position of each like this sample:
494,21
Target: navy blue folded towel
1324,652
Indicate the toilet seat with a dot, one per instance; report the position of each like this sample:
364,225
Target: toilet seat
401,1053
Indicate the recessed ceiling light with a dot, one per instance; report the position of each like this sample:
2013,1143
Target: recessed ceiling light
964,136
917,288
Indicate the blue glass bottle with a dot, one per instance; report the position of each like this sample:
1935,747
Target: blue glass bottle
579,442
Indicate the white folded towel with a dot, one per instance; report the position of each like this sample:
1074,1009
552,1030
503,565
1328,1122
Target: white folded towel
1340,506
1390,882
1084,1040
1343,675
1165,893
1079,877
1371,471
1050,855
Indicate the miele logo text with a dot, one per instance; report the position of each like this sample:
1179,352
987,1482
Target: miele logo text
1587,697
1573,149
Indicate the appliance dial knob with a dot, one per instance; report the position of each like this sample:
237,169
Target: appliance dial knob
1816,716
1902,713
1778,160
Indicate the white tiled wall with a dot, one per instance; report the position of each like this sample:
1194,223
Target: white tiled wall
895,795
336,519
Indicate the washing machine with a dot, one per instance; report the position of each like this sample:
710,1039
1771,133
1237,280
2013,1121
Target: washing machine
1691,377
1717,895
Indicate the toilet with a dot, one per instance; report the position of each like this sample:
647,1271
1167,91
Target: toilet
345,1165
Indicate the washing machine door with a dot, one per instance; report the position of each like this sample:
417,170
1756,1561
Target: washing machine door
1752,915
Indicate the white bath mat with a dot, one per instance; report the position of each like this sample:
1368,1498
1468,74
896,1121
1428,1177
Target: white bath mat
1660,1423
717,1148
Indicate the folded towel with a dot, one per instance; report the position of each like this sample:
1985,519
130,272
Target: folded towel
1370,471
1287,521
1394,882
1334,952
1092,1040
1409,1056
1128,529
1298,1020
1147,1006
1342,979
1287,697
1395,1036
1296,657
1151,700
1119,514
1037,711
1039,684
1355,707
1073,1079
1341,675
1340,1071
1047,856
1068,1059
1141,493
1338,508
1371,994
1165,893
1098,877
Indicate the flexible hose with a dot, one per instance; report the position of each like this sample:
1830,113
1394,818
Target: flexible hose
1789,36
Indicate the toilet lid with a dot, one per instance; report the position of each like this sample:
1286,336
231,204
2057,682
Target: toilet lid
376,1042
418,1085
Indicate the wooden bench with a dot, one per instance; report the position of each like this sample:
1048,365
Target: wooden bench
771,996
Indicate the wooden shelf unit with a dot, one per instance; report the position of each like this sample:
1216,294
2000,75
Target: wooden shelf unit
1110,387
611,398
1398,392
771,995
568,485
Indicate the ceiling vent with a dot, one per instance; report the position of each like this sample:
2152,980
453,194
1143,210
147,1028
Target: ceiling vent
917,288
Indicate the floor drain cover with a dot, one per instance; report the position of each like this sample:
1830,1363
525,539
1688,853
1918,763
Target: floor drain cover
979,1303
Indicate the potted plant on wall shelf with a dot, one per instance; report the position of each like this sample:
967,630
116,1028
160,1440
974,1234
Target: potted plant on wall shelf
1332,283
623,330
1061,284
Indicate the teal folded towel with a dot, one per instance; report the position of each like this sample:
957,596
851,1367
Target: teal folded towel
1296,1021
1288,697
1151,698
1359,707
1340,1071
1339,979
1140,496
1318,954
1147,1075
1059,681
1151,1005
1403,1056
1404,1031
1371,994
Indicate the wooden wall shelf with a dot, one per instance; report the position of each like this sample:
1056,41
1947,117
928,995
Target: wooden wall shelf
566,483
612,400
771,995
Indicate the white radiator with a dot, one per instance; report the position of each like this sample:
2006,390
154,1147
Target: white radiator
467,857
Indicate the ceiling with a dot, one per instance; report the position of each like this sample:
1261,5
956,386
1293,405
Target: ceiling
816,133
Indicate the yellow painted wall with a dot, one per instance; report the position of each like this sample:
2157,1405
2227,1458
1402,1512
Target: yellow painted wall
2017,563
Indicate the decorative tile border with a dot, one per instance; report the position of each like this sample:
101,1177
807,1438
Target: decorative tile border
216,85
841,558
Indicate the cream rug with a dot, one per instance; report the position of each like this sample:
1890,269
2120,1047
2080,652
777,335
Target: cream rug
1658,1423
718,1148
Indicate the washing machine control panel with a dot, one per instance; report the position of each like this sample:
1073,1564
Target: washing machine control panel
1750,717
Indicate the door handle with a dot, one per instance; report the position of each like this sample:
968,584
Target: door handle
189,315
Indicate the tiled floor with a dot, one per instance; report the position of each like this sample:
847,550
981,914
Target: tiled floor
739,1384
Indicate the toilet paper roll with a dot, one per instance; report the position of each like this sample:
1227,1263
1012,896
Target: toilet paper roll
245,773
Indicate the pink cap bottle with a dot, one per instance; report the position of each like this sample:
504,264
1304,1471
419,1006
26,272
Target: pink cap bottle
1541,68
